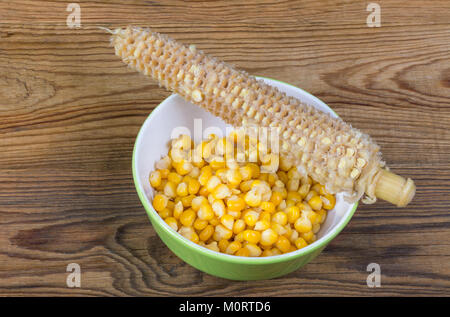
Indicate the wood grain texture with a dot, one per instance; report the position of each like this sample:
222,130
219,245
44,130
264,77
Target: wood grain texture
70,112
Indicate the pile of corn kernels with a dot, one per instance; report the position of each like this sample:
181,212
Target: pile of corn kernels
235,198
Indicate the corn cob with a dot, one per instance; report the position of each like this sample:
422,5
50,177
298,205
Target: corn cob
325,148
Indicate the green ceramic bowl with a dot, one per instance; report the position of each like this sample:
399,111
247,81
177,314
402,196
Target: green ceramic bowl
175,116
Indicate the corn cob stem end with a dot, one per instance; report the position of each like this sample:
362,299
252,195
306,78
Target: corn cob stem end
394,188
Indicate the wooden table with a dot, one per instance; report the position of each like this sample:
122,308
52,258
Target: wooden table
70,112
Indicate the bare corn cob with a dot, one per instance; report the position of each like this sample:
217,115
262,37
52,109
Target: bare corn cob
326,148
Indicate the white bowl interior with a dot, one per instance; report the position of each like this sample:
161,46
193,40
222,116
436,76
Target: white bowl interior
175,116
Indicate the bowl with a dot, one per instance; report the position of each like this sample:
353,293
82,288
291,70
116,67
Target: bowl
175,116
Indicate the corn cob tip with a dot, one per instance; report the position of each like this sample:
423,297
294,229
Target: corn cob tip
394,188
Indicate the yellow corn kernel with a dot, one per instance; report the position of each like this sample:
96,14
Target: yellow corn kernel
164,173
315,228
186,232
303,224
293,236
155,178
184,168
218,207
221,232
172,222
279,229
304,190
245,186
214,221
227,221
212,183
187,200
289,203
233,177
197,202
186,179
255,169
329,201
242,252
160,188
164,163
268,237
295,196
253,198
308,236
166,212
221,191
234,213
267,252
252,236
238,226
310,195
316,187
178,210
217,163
239,237
312,216
283,244
246,172
160,202
282,205
170,190
293,184
315,202
174,178
194,237
253,249
262,225
205,175
293,213
304,207
222,174
213,246
235,203
322,215
206,149
187,218
276,198
193,186
233,247
205,212
283,191
182,189
282,176
293,173
198,160
206,233
268,206
280,217
195,173
251,217
272,178
211,199
275,251
203,191
200,224
223,245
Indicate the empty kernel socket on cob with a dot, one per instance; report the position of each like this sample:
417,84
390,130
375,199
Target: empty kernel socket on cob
325,148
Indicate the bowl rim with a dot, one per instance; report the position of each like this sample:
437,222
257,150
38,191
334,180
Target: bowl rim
154,216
